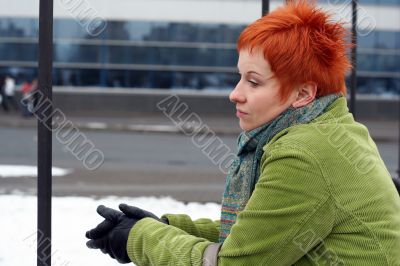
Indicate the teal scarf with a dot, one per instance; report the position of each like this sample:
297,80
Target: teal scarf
244,171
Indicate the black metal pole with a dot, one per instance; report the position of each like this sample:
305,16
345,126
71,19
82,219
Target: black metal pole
353,78
264,7
43,113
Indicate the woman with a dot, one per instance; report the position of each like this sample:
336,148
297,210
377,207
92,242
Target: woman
308,186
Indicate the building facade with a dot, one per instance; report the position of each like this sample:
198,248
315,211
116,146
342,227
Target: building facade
178,44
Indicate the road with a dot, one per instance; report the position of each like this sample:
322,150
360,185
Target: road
136,164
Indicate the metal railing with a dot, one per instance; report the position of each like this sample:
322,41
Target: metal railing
44,133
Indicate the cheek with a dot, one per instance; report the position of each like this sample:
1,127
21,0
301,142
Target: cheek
267,109
264,103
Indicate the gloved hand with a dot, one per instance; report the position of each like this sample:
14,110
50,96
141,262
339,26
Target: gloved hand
111,235
137,213
132,212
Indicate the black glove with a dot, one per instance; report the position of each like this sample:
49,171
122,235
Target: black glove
137,213
111,235
131,211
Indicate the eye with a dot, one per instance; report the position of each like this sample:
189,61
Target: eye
253,83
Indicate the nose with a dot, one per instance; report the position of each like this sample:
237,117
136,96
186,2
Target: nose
237,96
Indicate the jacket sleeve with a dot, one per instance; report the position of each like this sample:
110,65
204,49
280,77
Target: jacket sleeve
151,242
289,213
203,227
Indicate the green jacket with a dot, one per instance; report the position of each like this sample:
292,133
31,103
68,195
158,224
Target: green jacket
324,197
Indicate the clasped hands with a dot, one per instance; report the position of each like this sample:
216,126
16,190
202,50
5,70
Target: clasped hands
111,235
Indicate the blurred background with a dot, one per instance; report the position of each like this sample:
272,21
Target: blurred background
115,60
174,44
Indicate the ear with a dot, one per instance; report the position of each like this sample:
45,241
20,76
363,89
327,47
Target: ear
306,94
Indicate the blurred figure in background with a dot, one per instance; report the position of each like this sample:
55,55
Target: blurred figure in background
9,92
28,101
3,99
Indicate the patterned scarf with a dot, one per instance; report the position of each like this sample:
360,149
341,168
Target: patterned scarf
244,171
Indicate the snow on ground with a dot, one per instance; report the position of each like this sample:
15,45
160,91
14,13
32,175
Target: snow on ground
27,171
72,217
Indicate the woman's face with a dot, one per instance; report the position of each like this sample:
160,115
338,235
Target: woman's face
257,93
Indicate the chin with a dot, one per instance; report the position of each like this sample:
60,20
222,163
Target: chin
245,127
249,127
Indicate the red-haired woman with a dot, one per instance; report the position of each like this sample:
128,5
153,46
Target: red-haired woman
308,186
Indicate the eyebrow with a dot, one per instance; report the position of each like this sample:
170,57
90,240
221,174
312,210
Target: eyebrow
251,72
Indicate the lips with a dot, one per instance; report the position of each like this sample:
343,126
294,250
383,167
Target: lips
240,113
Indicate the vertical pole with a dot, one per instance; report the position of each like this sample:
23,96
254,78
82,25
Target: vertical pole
353,78
264,7
43,111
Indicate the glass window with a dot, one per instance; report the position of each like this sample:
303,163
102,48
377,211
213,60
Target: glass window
18,52
372,85
172,32
66,52
131,30
171,80
378,62
77,77
389,63
388,40
383,2
172,56
73,44
19,27
366,2
79,29
145,79
367,41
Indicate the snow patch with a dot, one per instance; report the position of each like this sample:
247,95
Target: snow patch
27,171
72,217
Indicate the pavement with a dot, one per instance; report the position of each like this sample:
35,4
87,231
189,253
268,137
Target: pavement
179,169
381,131
136,123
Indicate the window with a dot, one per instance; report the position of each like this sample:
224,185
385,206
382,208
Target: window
143,54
